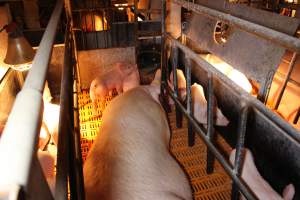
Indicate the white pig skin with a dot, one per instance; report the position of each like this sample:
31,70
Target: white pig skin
257,184
199,106
130,159
181,83
113,79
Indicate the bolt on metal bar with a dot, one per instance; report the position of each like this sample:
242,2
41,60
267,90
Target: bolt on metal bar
276,37
174,59
210,123
238,181
18,144
239,154
286,80
191,134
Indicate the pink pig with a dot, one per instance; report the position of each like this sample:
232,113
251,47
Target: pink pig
257,184
130,158
113,79
199,106
181,84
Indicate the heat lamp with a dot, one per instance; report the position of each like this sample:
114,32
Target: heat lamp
19,54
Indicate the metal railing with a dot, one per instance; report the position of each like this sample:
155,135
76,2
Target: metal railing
247,102
20,171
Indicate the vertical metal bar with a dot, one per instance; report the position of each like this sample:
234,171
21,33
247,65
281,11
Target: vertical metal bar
62,167
82,34
239,154
96,32
85,33
297,116
163,94
103,29
191,134
174,59
78,161
248,193
93,31
287,78
210,123
136,31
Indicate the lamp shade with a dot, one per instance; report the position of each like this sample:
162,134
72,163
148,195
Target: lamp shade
19,51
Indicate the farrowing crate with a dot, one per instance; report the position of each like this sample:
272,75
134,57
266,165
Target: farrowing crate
215,186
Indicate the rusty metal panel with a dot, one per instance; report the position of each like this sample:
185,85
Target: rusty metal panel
257,58
94,62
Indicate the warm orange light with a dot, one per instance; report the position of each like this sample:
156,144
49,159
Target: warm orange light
239,78
51,116
93,22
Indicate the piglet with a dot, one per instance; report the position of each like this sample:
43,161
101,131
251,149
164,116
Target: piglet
181,82
199,106
113,79
257,184
130,157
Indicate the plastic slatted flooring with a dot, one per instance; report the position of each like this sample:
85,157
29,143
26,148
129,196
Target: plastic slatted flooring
216,186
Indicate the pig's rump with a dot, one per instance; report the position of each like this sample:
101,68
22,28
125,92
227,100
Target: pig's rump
130,158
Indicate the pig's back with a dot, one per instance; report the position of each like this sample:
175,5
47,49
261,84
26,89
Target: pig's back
130,158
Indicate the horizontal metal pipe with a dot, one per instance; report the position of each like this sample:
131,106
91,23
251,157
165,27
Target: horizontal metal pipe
37,75
244,189
276,37
236,89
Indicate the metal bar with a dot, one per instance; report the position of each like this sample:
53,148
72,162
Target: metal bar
236,89
239,154
78,155
240,183
297,116
286,80
210,123
81,31
64,127
163,96
37,187
191,134
276,37
37,75
21,147
175,83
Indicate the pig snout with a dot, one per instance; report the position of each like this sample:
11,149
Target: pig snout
255,181
130,158
199,106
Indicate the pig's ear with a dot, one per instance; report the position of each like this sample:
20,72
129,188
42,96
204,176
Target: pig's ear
221,120
288,192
